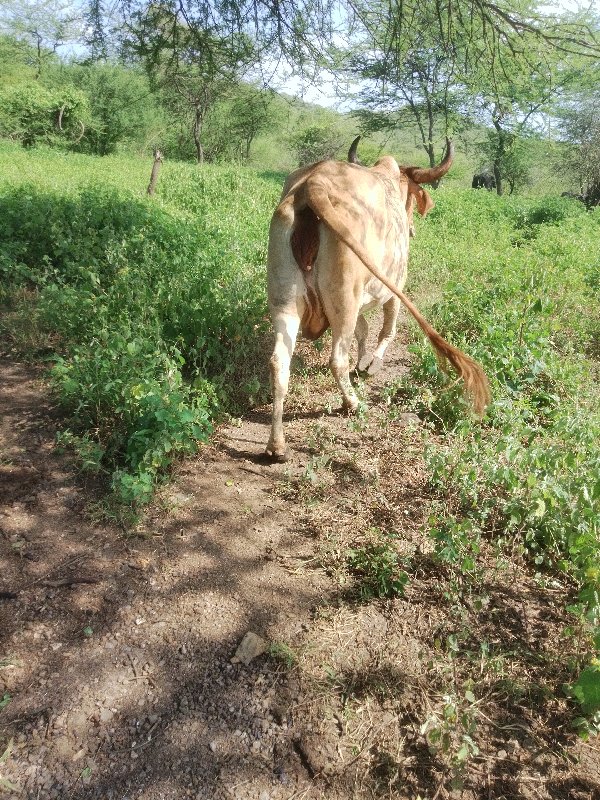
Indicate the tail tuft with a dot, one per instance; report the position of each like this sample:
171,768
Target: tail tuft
475,382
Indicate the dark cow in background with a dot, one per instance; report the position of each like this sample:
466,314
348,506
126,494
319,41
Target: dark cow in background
484,181
590,198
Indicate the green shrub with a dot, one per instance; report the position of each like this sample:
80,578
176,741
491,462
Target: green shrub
528,314
158,308
31,113
376,565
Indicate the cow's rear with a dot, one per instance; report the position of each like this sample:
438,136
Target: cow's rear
338,245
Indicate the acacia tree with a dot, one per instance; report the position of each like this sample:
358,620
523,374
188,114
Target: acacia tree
250,112
513,102
46,24
17,60
192,67
304,30
417,83
580,125
443,44
96,36
439,63
508,155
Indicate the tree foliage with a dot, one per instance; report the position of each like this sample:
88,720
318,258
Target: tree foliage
237,120
580,125
315,143
17,60
31,113
509,157
47,25
122,106
191,66
422,87
305,29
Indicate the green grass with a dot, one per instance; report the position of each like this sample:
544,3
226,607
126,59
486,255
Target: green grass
514,282
155,308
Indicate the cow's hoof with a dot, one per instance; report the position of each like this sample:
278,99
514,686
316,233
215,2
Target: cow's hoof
369,365
375,366
364,363
277,456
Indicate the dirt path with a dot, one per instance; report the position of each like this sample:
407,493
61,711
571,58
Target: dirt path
116,671
117,650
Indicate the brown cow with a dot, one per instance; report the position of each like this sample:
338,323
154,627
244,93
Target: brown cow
338,246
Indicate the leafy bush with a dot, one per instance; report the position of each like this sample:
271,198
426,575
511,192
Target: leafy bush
122,108
159,309
31,113
376,565
530,472
548,210
586,692
316,142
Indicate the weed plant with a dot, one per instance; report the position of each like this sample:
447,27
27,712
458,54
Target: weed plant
515,283
156,307
376,565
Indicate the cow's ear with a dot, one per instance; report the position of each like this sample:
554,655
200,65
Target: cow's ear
423,198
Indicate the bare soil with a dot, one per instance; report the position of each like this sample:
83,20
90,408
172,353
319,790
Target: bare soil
116,647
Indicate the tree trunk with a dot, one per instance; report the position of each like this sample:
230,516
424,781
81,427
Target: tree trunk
197,131
155,170
498,156
430,126
249,140
498,177
432,163
39,55
426,135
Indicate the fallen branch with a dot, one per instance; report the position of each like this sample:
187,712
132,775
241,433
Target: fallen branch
70,581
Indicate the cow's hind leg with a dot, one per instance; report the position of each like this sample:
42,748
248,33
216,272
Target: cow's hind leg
341,294
371,363
340,368
361,332
286,326
343,319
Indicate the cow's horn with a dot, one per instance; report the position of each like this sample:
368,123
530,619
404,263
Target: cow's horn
420,175
352,158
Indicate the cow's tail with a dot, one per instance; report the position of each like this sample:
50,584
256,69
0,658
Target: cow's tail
476,384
